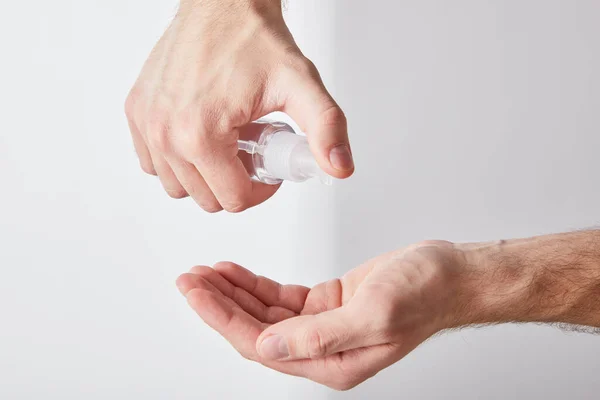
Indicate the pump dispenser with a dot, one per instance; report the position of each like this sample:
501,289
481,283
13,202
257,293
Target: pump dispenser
279,154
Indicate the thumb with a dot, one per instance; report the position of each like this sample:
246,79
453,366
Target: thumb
314,336
324,122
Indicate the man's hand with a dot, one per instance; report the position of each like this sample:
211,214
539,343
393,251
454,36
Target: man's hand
344,331
219,66
341,332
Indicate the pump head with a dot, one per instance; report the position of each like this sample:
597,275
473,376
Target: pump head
281,154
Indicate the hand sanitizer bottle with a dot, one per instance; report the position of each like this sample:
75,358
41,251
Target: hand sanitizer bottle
278,153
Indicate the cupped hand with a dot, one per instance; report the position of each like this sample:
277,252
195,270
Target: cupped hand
340,332
219,66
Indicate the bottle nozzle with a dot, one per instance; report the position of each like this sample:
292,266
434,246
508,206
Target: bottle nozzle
248,146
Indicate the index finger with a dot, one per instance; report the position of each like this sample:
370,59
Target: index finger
242,330
236,326
271,293
227,177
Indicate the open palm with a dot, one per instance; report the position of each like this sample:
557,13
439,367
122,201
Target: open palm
339,333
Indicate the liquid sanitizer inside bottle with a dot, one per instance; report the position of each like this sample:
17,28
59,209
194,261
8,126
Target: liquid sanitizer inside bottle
278,153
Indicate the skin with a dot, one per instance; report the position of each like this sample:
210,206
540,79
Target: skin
342,332
220,65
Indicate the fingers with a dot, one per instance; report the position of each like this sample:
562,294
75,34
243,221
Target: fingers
188,282
341,371
271,293
190,107
192,156
151,159
202,275
317,336
228,179
197,275
324,122
167,178
337,368
234,324
141,149
194,185
324,296
238,327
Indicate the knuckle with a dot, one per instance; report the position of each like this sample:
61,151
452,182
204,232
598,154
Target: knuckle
310,69
226,117
147,167
205,200
332,115
304,66
186,120
131,102
250,357
158,131
346,376
158,139
340,386
237,204
245,355
344,384
296,66
190,132
196,129
383,319
208,117
315,345
235,207
190,145
176,193
341,382
212,207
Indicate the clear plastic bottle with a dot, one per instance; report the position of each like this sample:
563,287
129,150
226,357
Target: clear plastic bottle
278,153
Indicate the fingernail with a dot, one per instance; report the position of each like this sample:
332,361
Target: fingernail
341,158
274,348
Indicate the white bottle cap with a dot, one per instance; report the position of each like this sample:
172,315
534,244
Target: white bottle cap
288,157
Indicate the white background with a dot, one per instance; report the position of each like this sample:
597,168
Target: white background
469,120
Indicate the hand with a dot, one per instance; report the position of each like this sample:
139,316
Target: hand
219,66
340,332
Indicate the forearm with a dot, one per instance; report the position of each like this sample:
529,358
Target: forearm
231,6
554,279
